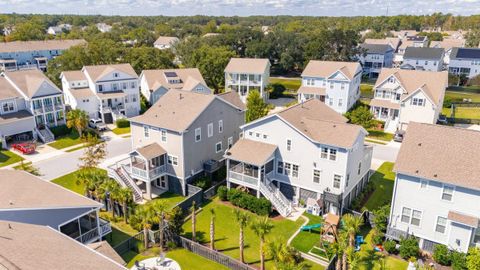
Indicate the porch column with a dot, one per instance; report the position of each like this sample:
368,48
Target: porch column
98,224
259,176
228,169
44,114
148,184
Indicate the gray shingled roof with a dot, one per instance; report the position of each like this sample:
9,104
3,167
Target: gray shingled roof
423,53
376,48
465,53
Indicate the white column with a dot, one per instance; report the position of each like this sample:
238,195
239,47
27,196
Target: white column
149,189
98,225
228,169
248,84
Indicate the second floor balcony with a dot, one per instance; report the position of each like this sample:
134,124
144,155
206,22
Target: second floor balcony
148,162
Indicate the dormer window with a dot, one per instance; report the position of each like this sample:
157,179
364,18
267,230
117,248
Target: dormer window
391,80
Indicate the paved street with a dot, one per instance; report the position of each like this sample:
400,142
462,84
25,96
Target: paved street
54,167
382,153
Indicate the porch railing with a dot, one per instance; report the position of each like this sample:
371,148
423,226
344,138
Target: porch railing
153,173
243,178
88,236
105,227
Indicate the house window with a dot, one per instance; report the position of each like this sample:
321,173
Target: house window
343,86
210,130
132,85
316,176
230,142
418,101
288,169
115,75
331,85
198,134
330,101
163,135
426,62
114,86
289,144
416,217
340,102
359,168
406,212
447,194
441,225
100,88
146,132
124,86
8,107
294,170
280,167
257,134
250,133
265,136
218,147
172,160
333,154
336,180
324,153
220,126
423,184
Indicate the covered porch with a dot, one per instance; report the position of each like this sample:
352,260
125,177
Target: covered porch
112,105
307,92
87,228
384,109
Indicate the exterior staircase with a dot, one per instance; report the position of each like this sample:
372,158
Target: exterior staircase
121,175
45,135
274,195
391,125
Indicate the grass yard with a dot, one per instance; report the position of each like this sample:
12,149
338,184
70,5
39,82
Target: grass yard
185,258
121,231
463,112
69,181
305,240
366,91
121,131
66,141
8,158
379,135
171,199
383,179
475,97
227,233
291,84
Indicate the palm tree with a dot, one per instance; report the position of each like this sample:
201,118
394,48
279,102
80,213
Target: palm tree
242,218
160,208
124,195
262,227
145,215
212,229
193,221
91,180
340,246
280,252
77,119
111,188
352,226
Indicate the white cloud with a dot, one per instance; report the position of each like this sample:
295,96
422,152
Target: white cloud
241,7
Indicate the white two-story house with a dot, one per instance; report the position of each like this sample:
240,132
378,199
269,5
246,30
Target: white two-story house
335,83
436,192
422,58
182,136
106,92
29,104
401,96
245,74
465,61
156,82
374,57
32,54
307,151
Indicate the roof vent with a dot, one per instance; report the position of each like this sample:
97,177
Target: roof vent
10,202
435,175
420,144
416,171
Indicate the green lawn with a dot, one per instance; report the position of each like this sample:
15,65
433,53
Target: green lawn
171,199
121,131
379,135
69,181
8,157
366,90
463,112
455,95
383,179
185,258
227,232
305,240
66,141
290,84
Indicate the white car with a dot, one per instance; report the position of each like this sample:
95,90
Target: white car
97,124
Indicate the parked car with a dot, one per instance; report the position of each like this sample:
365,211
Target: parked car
442,119
97,124
399,135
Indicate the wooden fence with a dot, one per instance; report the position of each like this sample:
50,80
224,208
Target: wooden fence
212,191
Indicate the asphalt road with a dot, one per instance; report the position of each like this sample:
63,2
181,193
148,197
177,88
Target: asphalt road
66,163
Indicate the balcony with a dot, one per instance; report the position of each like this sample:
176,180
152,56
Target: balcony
244,174
139,170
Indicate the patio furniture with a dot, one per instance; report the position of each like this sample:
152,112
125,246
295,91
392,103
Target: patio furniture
161,260
140,266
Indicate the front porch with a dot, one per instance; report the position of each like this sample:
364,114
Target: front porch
87,228
112,106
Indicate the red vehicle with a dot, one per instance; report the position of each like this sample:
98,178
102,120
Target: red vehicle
25,148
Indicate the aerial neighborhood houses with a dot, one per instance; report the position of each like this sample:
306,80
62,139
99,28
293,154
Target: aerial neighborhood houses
29,104
304,152
374,57
402,96
436,187
155,83
335,83
59,29
106,92
182,136
164,43
32,54
245,74
422,58
448,44
465,61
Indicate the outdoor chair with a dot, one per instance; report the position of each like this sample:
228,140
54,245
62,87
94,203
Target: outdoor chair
161,259
140,266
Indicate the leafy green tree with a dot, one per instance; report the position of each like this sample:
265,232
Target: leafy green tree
212,229
143,58
142,36
361,115
242,219
163,29
352,226
473,38
77,119
256,107
261,228
94,152
91,179
473,258
28,31
175,220
110,187
210,27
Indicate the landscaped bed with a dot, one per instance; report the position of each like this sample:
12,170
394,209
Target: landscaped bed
121,131
8,158
227,232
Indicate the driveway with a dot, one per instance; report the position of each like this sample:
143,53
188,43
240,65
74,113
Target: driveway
65,163
383,153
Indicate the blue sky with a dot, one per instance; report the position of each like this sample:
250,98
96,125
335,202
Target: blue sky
241,7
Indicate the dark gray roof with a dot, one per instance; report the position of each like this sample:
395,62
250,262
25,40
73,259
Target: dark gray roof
465,53
423,53
416,38
376,48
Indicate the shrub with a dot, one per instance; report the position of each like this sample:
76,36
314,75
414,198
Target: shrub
122,123
361,115
203,182
380,218
409,247
377,236
390,246
458,260
222,193
441,255
59,131
277,90
249,202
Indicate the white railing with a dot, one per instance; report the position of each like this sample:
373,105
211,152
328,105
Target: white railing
88,236
105,227
39,134
283,207
139,172
243,178
157,171
130,180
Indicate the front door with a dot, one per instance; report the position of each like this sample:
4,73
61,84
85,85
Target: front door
109,102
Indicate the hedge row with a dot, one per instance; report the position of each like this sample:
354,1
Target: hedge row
122,123
259,206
